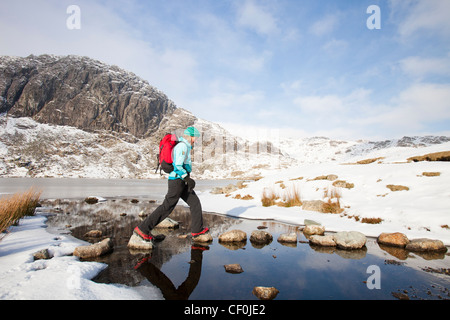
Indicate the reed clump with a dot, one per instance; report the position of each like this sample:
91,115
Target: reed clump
291,198
17,206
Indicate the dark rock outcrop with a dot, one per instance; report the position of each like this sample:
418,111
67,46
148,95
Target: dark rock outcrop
82,93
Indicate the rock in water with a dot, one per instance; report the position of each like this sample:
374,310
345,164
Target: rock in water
261,237
203,238
311,229
233,268
288,237
326,241
265,293
395,239
424,244
94,250
137,243
168,223
233,236
350,239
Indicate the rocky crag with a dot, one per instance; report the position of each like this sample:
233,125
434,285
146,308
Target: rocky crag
80,92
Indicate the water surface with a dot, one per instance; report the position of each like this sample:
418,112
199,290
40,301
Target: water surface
183,270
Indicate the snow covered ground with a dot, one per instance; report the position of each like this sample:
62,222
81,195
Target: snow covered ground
61,278
423,211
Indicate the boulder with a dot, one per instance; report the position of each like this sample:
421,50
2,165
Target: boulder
311,229
93,234
137,243
396,239
288,237
203,238
325,241
94,250
313,205
261,236
42,255
350,239
265,293
424,244
168,223
233,236
233,268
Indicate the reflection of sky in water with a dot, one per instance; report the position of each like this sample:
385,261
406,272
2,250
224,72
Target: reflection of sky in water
298,271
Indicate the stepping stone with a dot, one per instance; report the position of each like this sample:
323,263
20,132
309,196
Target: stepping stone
137,243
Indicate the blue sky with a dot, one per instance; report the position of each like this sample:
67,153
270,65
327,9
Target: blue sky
304,67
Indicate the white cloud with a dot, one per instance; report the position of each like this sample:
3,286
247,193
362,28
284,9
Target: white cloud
335,46
422,103
331,105
411,112
320,105
254,63
421,67
257,18
423,15
325,25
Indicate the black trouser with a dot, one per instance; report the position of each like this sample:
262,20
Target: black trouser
177,189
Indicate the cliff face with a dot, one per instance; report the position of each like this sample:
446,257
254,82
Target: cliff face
82,93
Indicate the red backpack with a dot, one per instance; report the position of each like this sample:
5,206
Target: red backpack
165,153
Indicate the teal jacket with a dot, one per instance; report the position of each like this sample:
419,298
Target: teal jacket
182,162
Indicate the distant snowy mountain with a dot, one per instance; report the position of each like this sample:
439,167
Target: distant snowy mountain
322,149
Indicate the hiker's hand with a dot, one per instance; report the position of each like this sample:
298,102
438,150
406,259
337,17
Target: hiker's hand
190,183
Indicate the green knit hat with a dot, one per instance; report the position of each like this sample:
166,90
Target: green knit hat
191,131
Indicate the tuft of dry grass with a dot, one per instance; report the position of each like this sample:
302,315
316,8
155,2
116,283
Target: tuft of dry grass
332,206
431,174
394,187
292,198
371,220
246,197
17,206
269,197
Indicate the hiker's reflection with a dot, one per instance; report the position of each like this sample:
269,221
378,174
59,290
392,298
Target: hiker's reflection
159,279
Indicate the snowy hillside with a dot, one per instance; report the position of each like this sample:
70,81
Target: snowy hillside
32,149
373,192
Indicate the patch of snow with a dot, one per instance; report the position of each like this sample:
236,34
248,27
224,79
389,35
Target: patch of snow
62,277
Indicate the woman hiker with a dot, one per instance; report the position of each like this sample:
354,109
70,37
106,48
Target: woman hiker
180,186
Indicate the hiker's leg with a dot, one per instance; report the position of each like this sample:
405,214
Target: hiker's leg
196,210
174,192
